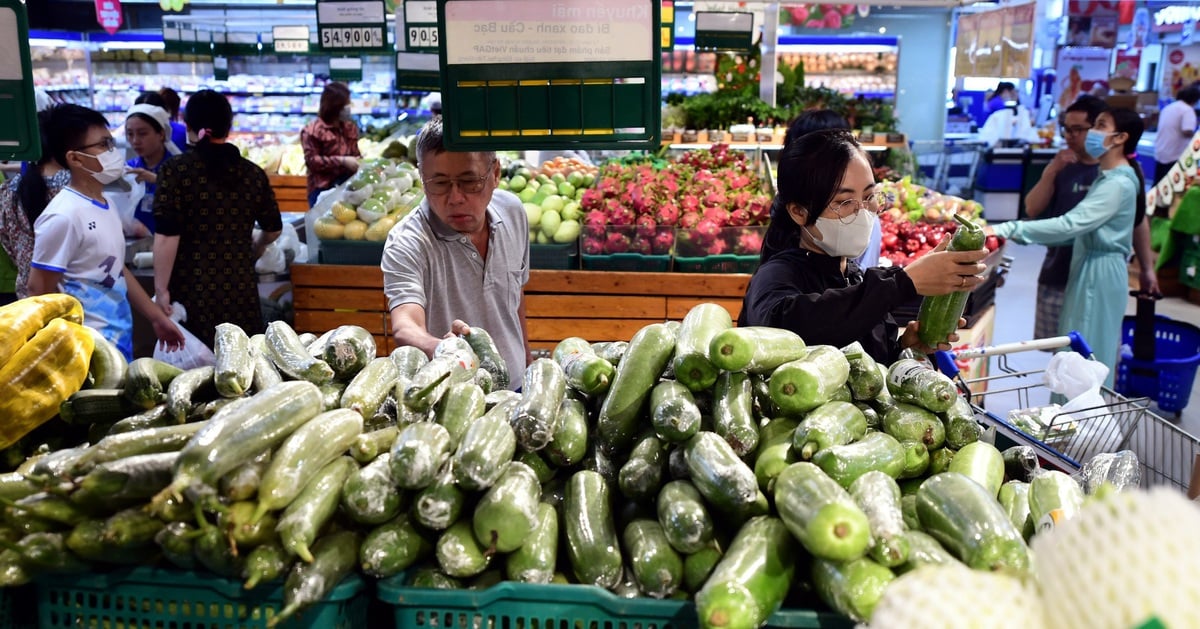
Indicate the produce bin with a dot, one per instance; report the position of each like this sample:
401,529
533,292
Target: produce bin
512,604
1169,377
724,263
564,257
627,262
156,597
361,252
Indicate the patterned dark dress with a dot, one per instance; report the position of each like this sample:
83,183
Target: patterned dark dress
211,198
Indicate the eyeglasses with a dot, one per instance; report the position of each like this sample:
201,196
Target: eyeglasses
847,210
108,143
1066,130
441,186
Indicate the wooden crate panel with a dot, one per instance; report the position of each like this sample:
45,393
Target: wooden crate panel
678,307
347,298
608,283
335,275
590,329
610,306
292,206
320,321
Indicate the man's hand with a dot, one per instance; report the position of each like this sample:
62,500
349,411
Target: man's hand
458,328
1061,160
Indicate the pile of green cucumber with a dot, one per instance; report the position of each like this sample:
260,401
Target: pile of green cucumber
738,467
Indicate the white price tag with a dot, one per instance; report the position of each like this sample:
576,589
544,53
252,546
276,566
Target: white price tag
351,37
422,37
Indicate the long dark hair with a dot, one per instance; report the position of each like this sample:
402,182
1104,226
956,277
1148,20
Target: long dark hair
334,99
810,171
1128,121
63,128
210,111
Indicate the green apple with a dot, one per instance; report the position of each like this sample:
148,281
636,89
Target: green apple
526,195
502,184
525,172
517,184
558,178
568,231
544,179
534,213
550,222
579,193
566,190
571,211
533,183
542,239
553,203
588,180
575,178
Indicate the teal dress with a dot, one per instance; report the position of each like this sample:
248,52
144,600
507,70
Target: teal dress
1101,230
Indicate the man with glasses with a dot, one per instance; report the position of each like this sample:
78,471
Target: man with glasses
461,258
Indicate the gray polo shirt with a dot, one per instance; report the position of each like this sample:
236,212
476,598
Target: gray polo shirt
427,263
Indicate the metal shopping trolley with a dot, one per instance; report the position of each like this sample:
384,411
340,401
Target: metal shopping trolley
1008,403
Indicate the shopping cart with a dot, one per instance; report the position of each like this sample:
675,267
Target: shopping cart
1006,405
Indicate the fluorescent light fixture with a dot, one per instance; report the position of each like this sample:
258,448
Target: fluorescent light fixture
53,43
132,45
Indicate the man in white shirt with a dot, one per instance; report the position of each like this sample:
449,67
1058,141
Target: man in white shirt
1176,125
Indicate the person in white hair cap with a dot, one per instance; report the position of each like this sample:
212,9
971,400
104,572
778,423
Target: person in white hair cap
148,132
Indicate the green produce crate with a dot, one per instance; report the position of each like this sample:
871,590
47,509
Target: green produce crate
159,598
350,252
627,262
511,604
563,257
724,263
1189,268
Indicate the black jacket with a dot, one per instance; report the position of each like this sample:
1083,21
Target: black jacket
806,293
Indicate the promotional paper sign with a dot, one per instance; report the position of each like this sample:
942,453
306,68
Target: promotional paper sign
108,15
1181,67
965,44
989,45
1093,22
1017,41
1079,70
1128,62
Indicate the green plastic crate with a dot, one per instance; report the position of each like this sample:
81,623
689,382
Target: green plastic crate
361,252
159,598
558,257
514,605
627,262
724,263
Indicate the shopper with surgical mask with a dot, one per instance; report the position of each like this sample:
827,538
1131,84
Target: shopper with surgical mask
330,142
1100,229
79,247
807,281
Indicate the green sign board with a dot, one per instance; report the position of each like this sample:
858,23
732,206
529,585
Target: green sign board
19,140
530,74
719,30
417,35
346,68
351,26
221,68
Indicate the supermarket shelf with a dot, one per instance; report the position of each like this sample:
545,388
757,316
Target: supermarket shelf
299,91
64,88
742,146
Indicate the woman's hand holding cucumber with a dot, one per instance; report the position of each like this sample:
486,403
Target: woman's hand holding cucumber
941,272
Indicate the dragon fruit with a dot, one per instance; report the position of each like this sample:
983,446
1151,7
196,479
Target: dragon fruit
667,214
689,220
663,241
719,216
595,218
690,203
706,232
640,245
593,246
749,242
616,242
739,218
646,227
717,247
592,198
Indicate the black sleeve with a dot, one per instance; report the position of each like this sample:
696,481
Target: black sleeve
778,297
267,213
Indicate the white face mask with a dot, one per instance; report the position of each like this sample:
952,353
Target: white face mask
112,166
845,240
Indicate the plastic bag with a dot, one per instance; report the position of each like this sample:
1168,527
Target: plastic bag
194,352
324,204
272,261
1077,378
1121,469
126,193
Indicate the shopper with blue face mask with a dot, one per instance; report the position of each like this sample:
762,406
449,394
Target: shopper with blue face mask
808,282
1100,229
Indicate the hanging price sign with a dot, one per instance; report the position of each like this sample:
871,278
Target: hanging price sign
351,25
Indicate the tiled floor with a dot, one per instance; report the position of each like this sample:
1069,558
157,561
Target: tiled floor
1015,305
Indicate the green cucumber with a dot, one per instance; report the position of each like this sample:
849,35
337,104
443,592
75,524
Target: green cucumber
302,455
924,550
291,358
459,553
648,354
874,419
968,521
982,463
1014,497
434,579
535,560
238,523
916,459
264,564
370,387
107,366
821,514
876,451
592,545
865,381
131,529
266,374
724,480
909,422
1021,463
908,509
49,507
774,451
369,495
334,558
348,350
917,383
491,399
331,395
642,475
408,360
487,446
419,453
612,351
147,380
484,380
733,411
585,371
439,505
535,418
183,390
852,588
369,445
830,424
939,460
570,441
1054,497
656,566
878,495
961,427
751,580
684,517
673,412
698,566
754,349
304,518
507,512
489,356
242,483
133,478
801,385
693,369
392,547
213,551
126,444
234,369
462,404
156,417
431,382
842,394
177,541
939,315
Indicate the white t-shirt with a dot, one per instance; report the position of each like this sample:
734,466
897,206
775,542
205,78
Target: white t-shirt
1176,124
83,240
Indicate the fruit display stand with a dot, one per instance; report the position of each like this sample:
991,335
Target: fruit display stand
599,306
291,192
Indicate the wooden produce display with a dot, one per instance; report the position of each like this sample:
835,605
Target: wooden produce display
291,192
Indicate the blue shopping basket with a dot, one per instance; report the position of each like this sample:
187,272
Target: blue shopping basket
1168,378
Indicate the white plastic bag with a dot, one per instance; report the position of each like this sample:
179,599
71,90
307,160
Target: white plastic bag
272,261
1076,378
194,352
126,193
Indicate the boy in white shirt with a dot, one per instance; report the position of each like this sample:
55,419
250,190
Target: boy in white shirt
79,245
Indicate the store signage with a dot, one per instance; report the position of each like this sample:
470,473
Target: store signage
19,140
718,30
1017,41
290,39
996,43
221,68
417,37
346,68
1078,71
346,25
667,24
108,15
1173,18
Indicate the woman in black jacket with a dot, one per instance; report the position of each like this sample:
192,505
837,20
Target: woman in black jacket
807,281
